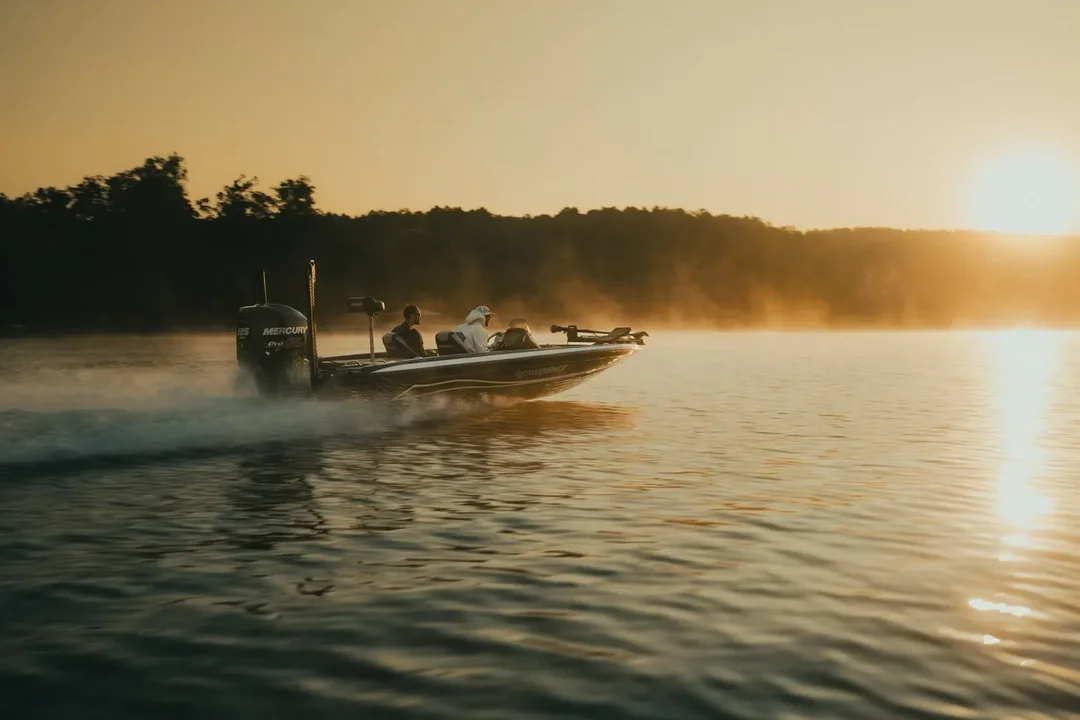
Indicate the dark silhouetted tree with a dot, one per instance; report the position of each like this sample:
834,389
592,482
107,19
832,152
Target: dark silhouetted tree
241,201
296,197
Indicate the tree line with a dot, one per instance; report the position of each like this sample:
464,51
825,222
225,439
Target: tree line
133,253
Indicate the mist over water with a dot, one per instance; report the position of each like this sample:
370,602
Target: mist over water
751,525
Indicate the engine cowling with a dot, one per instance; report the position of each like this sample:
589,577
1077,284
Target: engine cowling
271,344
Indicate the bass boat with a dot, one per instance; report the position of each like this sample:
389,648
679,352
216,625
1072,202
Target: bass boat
278,346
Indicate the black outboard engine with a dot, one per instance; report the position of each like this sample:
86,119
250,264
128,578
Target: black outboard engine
271,344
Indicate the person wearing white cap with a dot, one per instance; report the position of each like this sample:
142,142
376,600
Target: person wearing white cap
473,329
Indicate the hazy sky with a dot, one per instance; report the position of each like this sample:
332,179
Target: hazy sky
805,112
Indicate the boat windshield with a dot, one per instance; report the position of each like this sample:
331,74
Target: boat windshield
517,336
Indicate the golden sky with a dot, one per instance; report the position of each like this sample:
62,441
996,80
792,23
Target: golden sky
813,113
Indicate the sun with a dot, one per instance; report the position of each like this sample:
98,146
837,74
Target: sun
1029,193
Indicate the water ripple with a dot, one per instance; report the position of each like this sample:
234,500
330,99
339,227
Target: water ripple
845,526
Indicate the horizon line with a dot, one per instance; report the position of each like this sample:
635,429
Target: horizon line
524,216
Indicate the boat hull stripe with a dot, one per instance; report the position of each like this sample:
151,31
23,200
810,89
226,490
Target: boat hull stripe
483,359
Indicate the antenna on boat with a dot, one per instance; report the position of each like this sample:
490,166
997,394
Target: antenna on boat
312,343
370,307
266,298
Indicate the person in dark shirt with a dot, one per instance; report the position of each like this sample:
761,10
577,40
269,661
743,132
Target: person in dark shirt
408,332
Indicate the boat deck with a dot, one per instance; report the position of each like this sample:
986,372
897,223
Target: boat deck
380,359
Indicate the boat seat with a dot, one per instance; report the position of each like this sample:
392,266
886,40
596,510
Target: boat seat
518,338
396,347
450,342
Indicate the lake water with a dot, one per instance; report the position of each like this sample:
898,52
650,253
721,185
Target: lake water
728,525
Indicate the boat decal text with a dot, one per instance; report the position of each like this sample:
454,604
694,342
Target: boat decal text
539,372
295,330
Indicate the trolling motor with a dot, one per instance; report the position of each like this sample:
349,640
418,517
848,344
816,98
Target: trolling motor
370,307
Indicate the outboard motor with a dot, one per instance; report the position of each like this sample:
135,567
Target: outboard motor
277,345
271,344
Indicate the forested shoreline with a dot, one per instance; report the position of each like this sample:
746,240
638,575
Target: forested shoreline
134,253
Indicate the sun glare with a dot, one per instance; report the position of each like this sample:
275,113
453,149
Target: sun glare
1032,193
1026,363
1026,366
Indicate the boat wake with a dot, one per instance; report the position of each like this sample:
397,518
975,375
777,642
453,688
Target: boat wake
110,413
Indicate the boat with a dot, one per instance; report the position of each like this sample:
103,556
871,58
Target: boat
278,346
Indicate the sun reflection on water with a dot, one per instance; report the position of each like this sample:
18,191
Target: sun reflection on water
1024,366
1025,362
